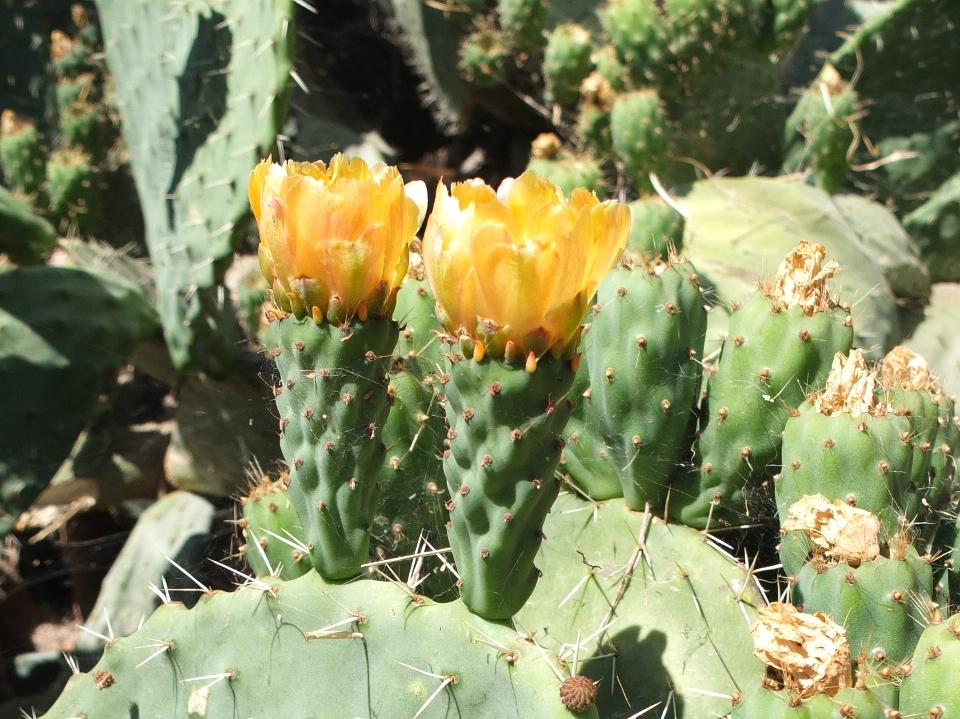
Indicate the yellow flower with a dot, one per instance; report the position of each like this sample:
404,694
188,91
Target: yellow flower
519,265
334,240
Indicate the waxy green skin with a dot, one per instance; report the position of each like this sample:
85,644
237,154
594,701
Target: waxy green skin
270,514
680,628
865,703
821,453
506,439
384,655
924,415
882,603
643,350
332,401
935,679
638,129
770,360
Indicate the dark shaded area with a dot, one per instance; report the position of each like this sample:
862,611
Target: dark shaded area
647,683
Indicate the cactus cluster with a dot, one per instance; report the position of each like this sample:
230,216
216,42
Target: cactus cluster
549,454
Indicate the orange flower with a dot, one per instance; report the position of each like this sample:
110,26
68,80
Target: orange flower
520,264
334,240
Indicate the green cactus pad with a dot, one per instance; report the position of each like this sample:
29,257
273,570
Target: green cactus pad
63,333
677,611
201,91
506,438
308,648
332,401
935,225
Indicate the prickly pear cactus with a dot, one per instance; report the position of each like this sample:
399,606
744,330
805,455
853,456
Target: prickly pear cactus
506,425
332,404
22,153
24,237
652,612
657,228
201,92
779,345
808,673
638,132
881,600
932,688
391,654
850,430
51,381
274,539
820,132
566,62
739,229
629,346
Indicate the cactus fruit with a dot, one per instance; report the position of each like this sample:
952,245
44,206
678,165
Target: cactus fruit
809,676
22,155
593,122
657,228
260,650
849,430
913,392
566,63
484,56
72,187
272,532
522,24
641,38
739,229
879,591
659,614
24,236
628,346
638,131
506,424
415,431
787,23
779,344
332,335
566,169
820,131
932,687
332,401
513,271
